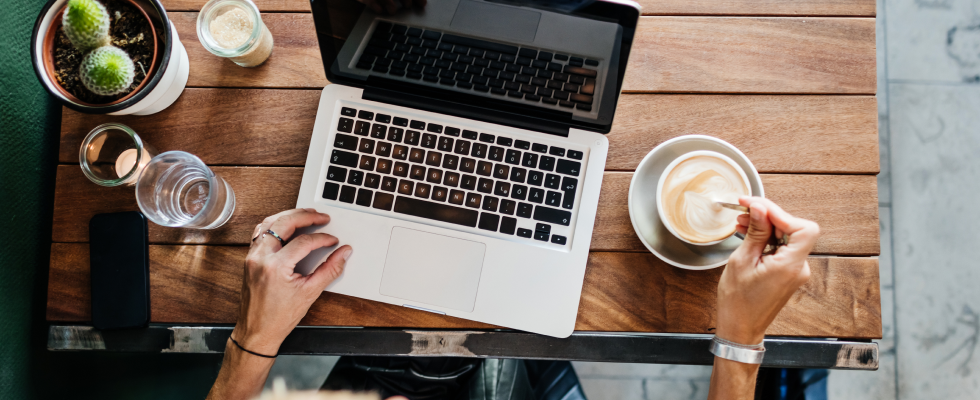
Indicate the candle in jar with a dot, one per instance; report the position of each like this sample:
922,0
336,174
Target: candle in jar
127,160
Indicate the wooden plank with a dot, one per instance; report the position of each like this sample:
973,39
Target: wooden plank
670,54
295,60
626,292
650,7
845,206
753,55
779,133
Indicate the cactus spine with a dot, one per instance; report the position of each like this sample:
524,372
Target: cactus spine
86,24
107,71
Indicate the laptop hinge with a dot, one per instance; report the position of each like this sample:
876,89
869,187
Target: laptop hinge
494,116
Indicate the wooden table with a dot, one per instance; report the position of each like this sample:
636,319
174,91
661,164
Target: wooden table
789,82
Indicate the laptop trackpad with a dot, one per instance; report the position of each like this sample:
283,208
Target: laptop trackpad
496,21
433,269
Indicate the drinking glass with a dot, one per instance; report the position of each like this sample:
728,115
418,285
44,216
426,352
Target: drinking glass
113,155
178,190
234,29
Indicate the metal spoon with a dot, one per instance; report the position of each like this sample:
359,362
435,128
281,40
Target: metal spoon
773,244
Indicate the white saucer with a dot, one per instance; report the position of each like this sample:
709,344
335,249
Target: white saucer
643,204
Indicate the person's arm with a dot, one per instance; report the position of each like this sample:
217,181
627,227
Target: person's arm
274,298
754,287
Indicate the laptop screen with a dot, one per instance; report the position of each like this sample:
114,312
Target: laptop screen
554,61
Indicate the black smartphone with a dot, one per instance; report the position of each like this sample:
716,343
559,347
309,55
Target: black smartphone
119,254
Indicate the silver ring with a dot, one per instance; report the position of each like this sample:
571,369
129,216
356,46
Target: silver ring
281,242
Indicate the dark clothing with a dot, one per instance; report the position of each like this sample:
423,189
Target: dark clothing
445,378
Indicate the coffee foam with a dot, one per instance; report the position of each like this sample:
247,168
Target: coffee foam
689,194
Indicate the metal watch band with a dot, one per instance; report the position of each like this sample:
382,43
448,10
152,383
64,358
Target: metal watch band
737,354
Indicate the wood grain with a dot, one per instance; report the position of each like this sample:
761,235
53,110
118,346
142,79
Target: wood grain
295,60
625,292
845,206
753,55
670,54
779,133
650,7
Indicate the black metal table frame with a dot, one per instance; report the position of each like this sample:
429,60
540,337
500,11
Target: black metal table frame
581,346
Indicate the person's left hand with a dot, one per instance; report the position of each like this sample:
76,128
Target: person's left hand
274,298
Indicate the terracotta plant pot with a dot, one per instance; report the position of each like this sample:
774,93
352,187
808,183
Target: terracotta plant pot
165,79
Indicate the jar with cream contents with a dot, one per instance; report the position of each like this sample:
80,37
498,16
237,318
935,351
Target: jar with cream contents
234,29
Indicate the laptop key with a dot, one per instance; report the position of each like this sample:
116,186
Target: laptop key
372,181
347,194
554,216
467,165
364,114
568,167
383,149
513,157
542,236
484,168
436,211
495,153
413,137
483,44
518,192
383,166
389,184
470,135
522,144
451,131
539,227
553,199
450,161
451,179
355,177
501,171
433,158
517,174
556,151
524,233
507,206
568,200
525,210
581,98
479,150
507,225
401,169
350,112
367,163
330,190
462,147
484,185
422,190
406,187
345,125
416,155
547,163
439,193
434,175
362,128
399,152
501,188
490,203
535,178
530,160
417,172
457,197
417,124
378,131
473,200
489,221
345,142
468,182
535,195
552,181
431,35
558,239
344,158
336,174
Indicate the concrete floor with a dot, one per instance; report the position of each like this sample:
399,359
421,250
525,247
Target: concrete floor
929,128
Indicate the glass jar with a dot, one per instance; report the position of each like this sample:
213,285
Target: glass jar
113,155
234,29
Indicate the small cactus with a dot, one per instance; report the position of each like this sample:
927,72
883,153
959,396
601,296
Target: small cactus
107,71
86,24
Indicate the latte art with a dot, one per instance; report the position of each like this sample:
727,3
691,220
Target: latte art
689,195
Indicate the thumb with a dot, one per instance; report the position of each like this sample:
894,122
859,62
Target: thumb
330,269
759,231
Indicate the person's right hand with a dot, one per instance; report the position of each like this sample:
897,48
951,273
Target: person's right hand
754,287
391,6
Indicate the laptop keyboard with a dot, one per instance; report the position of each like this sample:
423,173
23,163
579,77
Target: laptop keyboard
491,182
555,79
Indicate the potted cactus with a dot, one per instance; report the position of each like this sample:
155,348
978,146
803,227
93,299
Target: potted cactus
109,56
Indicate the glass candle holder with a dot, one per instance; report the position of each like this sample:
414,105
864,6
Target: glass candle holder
113,155
234,29
176,189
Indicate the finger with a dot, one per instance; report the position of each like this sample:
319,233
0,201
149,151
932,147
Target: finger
802,234
256,231
390,6
758,232
743,219
742,229
302,245
330,269
286,225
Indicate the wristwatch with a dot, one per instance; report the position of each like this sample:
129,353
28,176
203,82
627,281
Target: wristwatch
748,354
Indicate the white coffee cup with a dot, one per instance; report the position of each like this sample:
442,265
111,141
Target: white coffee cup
662,208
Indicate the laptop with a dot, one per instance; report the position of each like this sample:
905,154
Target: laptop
460,151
